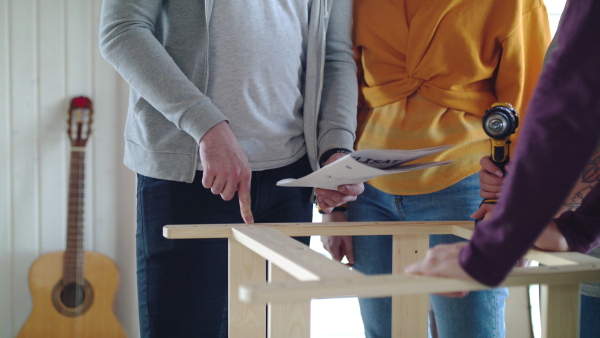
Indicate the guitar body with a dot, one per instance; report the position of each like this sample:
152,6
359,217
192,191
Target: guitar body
94,317
73,290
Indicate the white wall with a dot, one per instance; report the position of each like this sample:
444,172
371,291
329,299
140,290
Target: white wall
48,55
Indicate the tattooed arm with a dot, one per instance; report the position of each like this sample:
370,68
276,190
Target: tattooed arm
552,239
589,178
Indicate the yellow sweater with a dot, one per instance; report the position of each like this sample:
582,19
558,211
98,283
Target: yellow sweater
429,70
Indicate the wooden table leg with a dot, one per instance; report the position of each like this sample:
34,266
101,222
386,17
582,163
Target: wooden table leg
245,267
290,320
409,313
560,311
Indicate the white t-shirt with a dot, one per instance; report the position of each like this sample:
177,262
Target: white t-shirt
256,71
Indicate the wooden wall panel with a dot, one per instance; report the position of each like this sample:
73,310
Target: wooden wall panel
111,96
25,197
5,174
48,55
52,136
80,81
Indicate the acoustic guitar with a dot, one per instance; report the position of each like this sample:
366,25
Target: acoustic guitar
73,290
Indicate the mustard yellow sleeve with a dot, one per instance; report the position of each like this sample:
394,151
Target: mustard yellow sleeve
522,60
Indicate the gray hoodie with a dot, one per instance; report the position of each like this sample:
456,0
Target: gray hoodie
161,49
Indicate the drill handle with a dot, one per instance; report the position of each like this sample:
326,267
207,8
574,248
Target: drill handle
502,164
500,153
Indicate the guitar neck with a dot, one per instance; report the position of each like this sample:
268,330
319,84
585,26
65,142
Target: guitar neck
73,259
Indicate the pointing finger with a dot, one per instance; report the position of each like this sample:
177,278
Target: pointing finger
245,203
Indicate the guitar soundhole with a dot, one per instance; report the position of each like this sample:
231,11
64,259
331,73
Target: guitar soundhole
72,295
72,299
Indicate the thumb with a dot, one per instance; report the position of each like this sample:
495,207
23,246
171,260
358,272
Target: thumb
479,213
413,269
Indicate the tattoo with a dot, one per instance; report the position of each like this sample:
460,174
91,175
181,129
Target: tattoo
590,175
591,172
576,199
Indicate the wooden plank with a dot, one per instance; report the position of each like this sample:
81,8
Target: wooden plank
560,258
465,230
409,312
518,313
386,285
543,257
245,320
180,231
290,255
560,311
290,319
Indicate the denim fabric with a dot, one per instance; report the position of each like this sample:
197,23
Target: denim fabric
590,317
480,314
182,283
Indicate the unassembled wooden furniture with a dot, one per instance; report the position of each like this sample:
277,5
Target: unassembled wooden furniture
297,274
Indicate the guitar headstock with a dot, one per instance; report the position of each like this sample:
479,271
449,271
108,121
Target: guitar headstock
79,124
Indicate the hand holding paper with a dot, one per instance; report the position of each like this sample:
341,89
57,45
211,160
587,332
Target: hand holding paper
363,165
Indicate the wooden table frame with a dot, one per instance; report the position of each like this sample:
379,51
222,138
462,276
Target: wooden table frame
297,274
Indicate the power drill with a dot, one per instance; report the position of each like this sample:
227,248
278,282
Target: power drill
499,123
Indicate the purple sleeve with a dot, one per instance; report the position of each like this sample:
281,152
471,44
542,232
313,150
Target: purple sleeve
581,227
558,137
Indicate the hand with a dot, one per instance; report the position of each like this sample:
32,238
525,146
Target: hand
551,239
329,199
490,182
490,178
484,212
442,261
226,167
338,246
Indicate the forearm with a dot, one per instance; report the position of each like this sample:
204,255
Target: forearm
572,218
581,227
128,43
337,118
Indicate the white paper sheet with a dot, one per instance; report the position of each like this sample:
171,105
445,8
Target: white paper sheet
363,165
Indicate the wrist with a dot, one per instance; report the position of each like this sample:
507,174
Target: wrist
326,155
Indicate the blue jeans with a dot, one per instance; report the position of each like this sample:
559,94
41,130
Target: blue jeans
182,283
480,314
590,317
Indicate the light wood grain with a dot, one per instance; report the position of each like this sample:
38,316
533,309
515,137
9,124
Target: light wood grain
390,285
412,308
98,321
316,278
291,319
322,229
290,255
245,320
560,311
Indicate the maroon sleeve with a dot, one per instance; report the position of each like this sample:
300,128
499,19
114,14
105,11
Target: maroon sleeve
558,137
581,227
